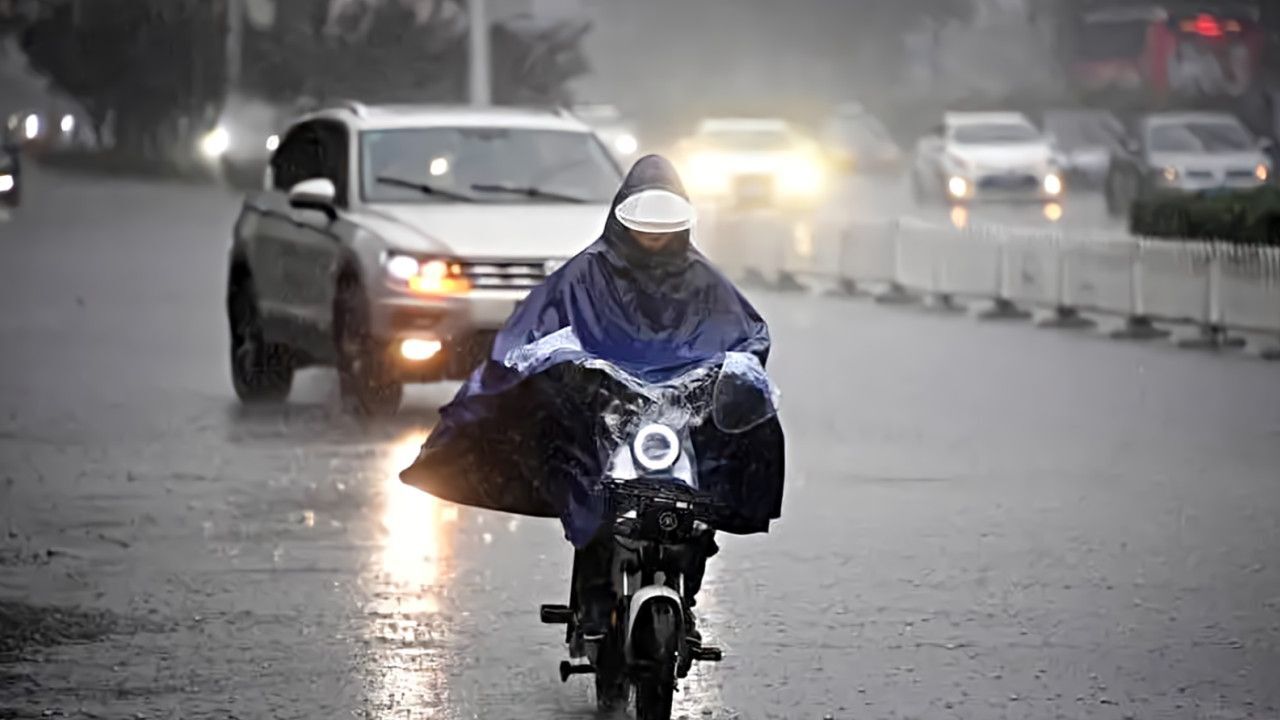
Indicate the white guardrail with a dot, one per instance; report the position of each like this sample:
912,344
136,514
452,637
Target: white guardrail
1219,288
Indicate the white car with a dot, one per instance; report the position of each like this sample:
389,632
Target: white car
393,242
752,161
986,156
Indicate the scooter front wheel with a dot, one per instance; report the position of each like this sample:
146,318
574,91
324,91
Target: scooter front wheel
653,700
613,689
655,690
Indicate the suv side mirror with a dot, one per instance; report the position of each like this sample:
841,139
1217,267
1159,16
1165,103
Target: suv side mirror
315,194
1266,144
1131,146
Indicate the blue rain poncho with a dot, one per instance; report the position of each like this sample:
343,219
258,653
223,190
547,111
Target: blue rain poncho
612,334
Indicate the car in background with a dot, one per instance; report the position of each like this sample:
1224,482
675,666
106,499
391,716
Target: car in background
1185,152
1086,140
858,142
392,242
236,149
612,128
46,130
10,176
980,156
752,162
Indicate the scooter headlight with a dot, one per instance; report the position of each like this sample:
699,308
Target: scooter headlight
656,447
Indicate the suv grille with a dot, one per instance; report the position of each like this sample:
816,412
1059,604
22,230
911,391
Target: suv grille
505,274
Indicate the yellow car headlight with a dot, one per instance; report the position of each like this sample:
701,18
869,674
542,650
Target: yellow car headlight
706,174
801,176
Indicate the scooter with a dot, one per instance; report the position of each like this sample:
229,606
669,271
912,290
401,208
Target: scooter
658,518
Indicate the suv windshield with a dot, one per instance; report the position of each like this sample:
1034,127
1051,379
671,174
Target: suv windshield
549,164
1200,137
749,139
994,133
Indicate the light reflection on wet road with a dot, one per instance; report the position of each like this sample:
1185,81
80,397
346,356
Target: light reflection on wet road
409,576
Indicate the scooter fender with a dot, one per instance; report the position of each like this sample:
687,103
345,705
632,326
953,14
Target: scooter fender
653,594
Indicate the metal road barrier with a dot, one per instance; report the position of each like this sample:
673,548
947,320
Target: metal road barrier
1220,290
1247,293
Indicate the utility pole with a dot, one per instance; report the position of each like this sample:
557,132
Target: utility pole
234,49
479,58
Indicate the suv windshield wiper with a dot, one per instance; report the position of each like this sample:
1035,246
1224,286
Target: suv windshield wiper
529,191
424,188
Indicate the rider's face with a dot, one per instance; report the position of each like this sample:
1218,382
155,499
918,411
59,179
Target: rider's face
653,242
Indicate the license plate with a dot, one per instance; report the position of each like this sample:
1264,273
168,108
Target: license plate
1006,182
753,188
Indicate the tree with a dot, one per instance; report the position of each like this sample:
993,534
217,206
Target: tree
397,51
149,64
157,67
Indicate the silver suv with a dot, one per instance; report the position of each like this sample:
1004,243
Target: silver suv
392,242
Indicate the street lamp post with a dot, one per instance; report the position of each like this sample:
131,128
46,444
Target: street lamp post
478,60
235,44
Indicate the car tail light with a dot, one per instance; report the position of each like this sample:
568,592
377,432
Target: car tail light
1206,25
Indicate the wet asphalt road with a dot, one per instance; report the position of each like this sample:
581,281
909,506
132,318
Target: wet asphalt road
981,520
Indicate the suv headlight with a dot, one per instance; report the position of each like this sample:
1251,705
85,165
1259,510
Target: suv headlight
1262,172
1170,174
656,447
434,276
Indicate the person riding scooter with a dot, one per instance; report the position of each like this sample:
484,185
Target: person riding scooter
520,436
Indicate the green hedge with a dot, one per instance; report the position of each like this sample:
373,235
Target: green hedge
1246,217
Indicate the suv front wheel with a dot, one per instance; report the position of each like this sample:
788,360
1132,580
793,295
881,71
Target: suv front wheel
363,376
